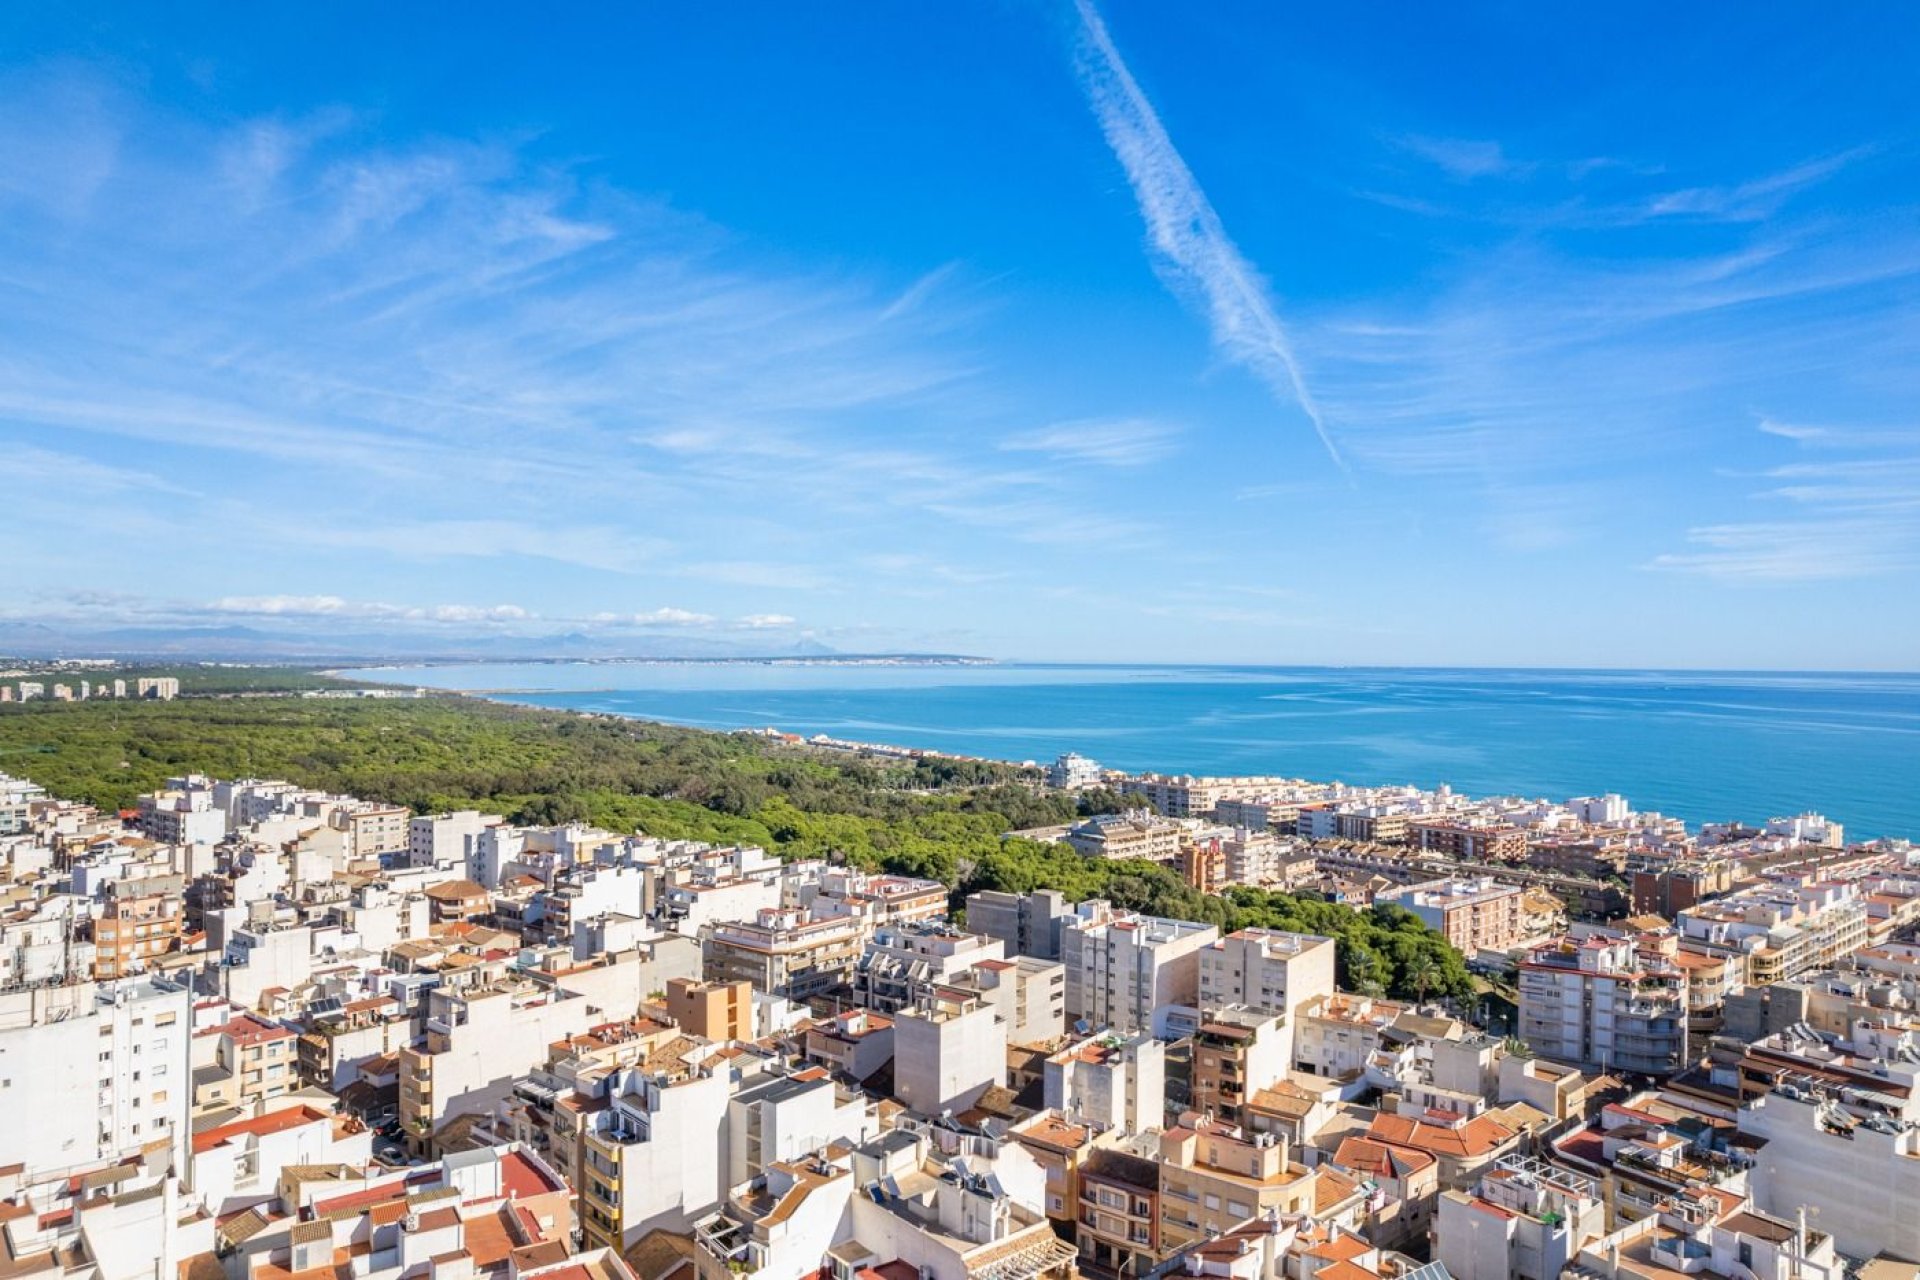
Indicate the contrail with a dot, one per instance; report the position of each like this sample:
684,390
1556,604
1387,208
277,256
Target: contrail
1193,252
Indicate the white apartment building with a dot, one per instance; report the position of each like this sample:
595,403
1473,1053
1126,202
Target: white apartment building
1783,930
948,1052
183,815
1128,972
1110,1081
445,839
901,964
656,1155
477,1043
1190,797
1600,1004
94,1071
1072,771
1525,1220
1266,969
1841,1130
1030,996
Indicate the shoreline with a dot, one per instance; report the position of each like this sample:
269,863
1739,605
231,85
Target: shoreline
894,751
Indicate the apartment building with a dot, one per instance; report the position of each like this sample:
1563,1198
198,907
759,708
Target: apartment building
1474,915
1215,1176
1266,969
1127,971
1029,924
139,922
902,963
1117,1229
375,830
1237,1052
1524,1220
243,1062
1467,842
478,1040
183,814
1185,796
1783,929
445,839
1838,1126
1127,835
94,1071
720,1011
947,1052
1071,772
785,952
1109,1081
1602,1004
1030,996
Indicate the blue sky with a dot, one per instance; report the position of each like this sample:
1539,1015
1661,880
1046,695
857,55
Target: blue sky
1370,334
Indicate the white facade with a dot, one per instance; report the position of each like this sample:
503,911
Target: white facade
945,1058
94,1071
1128,971
1110,1082
445,839
1266,969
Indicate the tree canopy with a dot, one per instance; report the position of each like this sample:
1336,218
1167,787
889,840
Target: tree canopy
943,819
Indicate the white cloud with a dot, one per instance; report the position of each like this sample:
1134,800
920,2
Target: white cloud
665,616
1833,519
330,606
1123,443
1462,158
1190,244
1753,200
766,621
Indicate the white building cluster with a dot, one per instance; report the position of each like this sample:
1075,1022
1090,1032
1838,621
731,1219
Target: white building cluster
261,1030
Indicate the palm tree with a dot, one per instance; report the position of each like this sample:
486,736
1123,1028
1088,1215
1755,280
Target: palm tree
1421,974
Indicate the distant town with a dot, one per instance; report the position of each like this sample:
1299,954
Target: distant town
258,1031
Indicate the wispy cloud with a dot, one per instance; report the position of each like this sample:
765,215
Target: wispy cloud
1190,244
1462,159
477,354
1752,200
302,614
287,606
1126,443
1831,519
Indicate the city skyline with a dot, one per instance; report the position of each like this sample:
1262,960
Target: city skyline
1053,331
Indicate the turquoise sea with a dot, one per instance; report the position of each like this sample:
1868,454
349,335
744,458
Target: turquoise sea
1703,746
